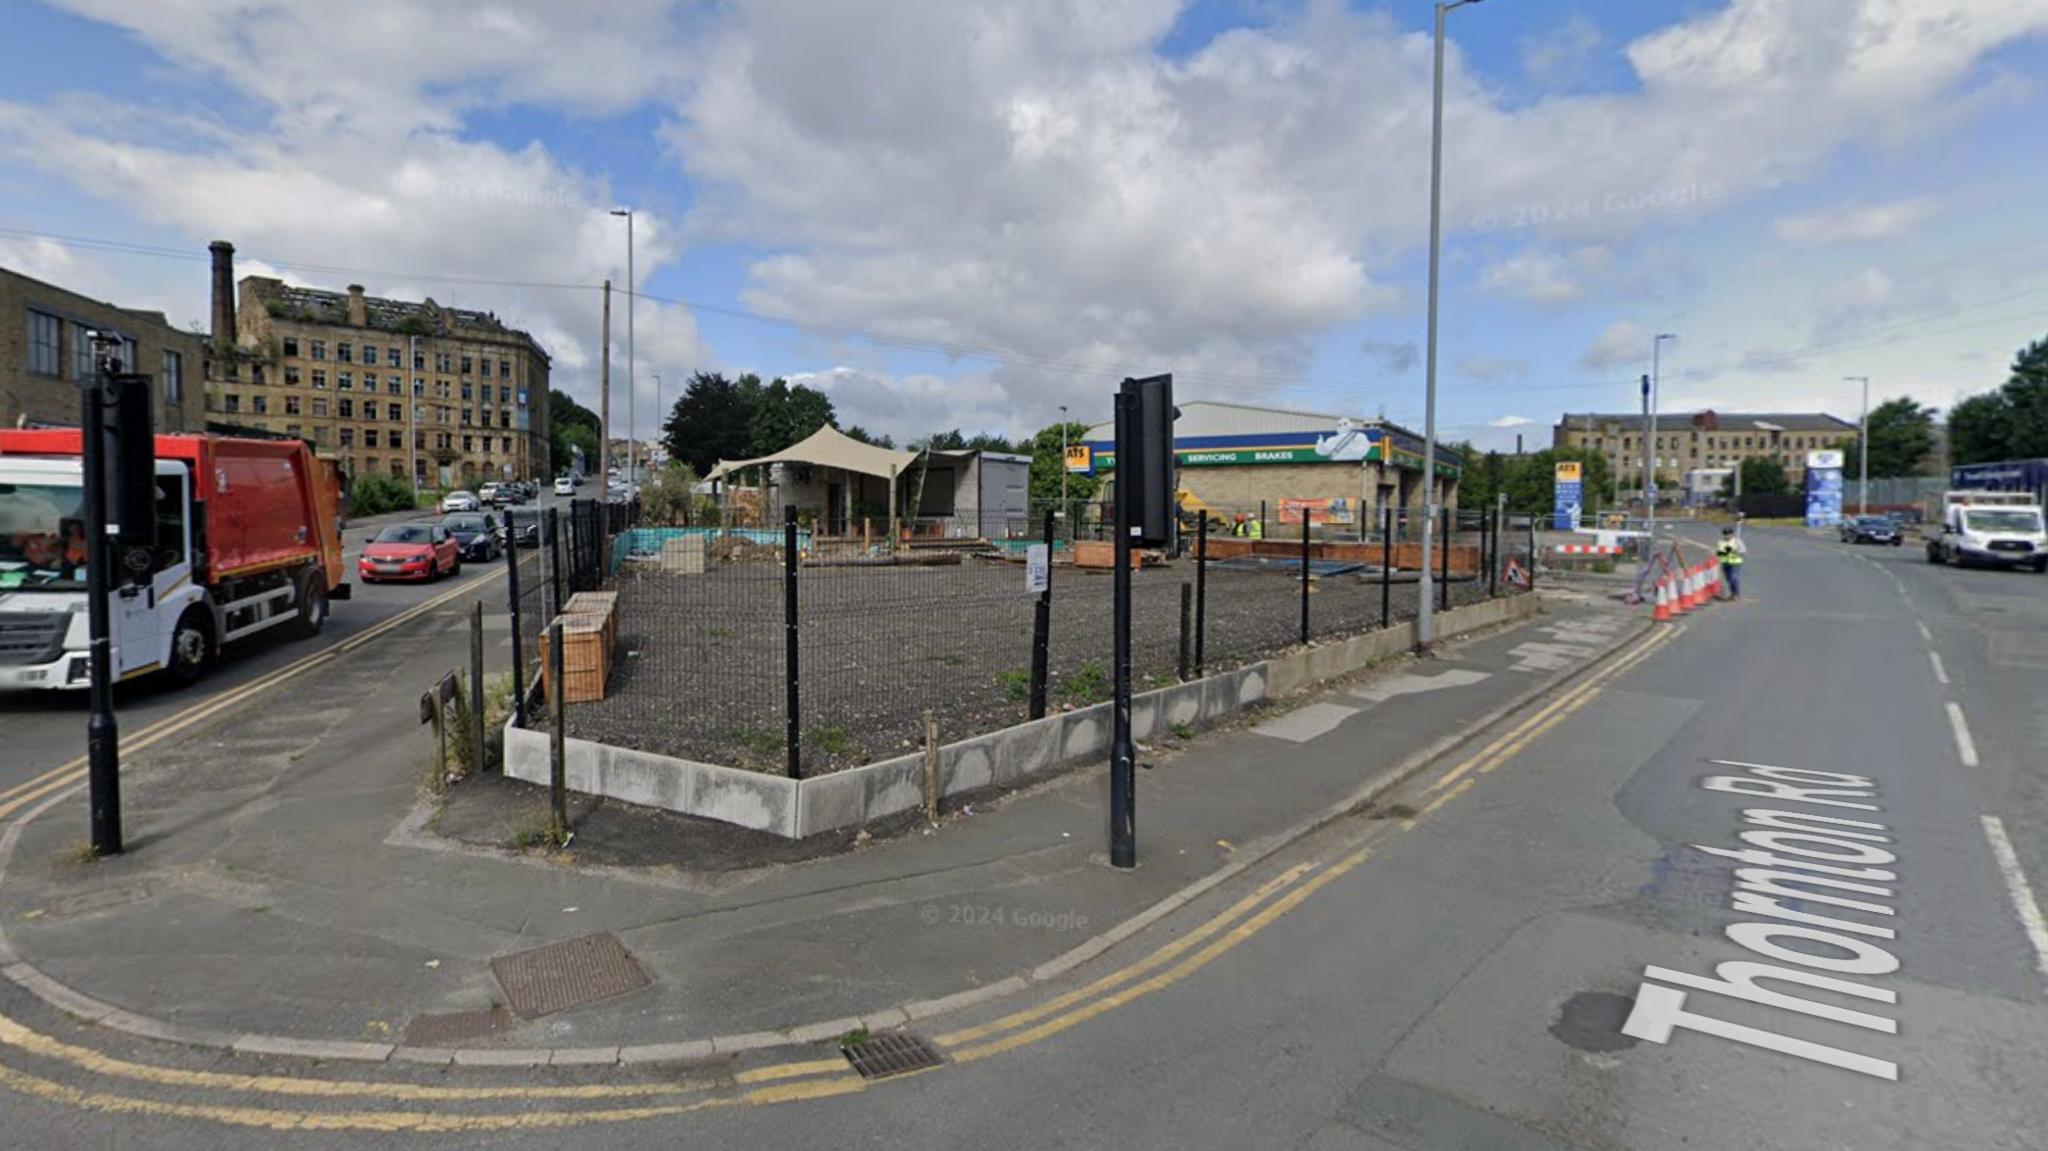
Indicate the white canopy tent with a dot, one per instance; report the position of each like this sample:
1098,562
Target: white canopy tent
828,447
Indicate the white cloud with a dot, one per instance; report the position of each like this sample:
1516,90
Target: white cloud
1533,276
1622,342
1511,422
1554,57
1854,223
1491,369
1398,357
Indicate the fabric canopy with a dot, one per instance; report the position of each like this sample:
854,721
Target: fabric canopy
828,447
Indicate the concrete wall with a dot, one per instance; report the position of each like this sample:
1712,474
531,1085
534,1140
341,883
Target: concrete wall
1009,758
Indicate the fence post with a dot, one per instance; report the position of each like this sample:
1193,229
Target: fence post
558,737
1443,567
1386,566
794,734
1201,586
1262,525
1532,552
1041,630
1187,627
1492,530
518,647
557,578
476,684
1304,575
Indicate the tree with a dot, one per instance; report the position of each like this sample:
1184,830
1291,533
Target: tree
1531,481
783,415
1048,464
1901,435
1763,476
710,422
571,425
1980,430
856,432
670,498
949,441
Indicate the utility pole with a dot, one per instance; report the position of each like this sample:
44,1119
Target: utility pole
1063,461
1656,394
1863,449
102,729
604,402
632,381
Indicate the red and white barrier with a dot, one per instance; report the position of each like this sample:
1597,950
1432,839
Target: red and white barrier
1587,550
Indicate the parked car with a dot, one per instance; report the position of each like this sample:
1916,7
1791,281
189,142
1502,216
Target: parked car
565,486
487,493
1872,530
522,527
479,536
460,502
424,552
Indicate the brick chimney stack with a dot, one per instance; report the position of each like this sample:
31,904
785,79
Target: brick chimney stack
358,311
224,333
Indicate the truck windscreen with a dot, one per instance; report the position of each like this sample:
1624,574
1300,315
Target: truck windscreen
2021,520
42,535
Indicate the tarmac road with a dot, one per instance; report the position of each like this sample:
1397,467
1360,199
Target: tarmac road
1470,972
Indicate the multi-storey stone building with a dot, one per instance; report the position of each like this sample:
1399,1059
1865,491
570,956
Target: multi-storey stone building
45,353
447,396
1702,441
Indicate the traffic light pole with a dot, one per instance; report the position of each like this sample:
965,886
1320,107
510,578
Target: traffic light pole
102,729
1123,776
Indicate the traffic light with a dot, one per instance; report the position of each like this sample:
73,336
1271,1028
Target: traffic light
130,449
1146,462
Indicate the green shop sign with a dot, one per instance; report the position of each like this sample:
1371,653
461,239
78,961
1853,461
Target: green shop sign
1106,461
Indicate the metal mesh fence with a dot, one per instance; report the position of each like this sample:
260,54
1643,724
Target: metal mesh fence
702,668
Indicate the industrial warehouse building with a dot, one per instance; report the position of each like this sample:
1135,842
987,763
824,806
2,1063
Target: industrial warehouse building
1342,470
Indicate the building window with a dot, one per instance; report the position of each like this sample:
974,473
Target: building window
45,344
396,471
345,381
320,408
466,365
442,388
465,417
291,345
484,368
444,440
319,377
262,405
348,437
369,437
291,377
319,349
291,429
291,405
174,378
394,385
319,434
369,409
345,353
393,412
505,444
419,361
468,392
505,369
468,443
234,403
419,440
391,359
346,409
444,362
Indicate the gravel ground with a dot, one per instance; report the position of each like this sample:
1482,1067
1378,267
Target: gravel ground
700,674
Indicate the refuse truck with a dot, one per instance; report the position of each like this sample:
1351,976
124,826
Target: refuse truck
248,539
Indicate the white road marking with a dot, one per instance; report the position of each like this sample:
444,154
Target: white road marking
1924,633
1940,672
1405,684
1306,723
1965,746
2023,902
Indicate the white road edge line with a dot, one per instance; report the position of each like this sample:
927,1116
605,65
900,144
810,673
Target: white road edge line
2023,903
1940,672
1965,746
1924,633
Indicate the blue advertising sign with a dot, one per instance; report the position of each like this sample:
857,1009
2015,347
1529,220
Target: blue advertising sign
1570,501
1823,489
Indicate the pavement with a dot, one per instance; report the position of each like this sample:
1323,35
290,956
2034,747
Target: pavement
297,883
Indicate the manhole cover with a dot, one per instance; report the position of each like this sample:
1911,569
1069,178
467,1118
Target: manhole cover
455,1027
567,974
891,1053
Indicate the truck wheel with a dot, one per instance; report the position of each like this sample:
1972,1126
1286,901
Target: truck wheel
312,606
191,646
1933,555
2041,567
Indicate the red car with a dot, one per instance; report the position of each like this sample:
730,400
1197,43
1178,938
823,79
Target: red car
423,552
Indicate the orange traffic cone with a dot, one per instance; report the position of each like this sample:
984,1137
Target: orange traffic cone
1697,584
1663,609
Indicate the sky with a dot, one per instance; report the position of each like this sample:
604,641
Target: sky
972,214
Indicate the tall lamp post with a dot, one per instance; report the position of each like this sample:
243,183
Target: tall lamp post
1650,440
1424,634
632,384
1063,461
1863,449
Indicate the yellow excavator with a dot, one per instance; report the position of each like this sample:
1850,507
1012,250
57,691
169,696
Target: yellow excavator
1192,510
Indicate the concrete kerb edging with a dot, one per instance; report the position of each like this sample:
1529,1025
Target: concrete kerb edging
105,1014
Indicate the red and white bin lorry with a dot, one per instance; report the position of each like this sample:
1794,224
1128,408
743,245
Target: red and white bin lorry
248,537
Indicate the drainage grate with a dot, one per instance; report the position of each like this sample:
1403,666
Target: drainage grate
455,1027
568,974
892,1053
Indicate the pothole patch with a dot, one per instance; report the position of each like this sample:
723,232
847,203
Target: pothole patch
1592,1021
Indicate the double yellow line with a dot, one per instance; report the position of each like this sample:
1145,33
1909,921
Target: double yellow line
57,778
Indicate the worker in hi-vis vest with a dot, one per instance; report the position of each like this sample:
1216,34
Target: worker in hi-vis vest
1731,552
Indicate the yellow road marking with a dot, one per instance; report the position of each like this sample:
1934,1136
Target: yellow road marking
74,771
1409,823
790,1070
808,1089
1118,978
15,1034
1179,971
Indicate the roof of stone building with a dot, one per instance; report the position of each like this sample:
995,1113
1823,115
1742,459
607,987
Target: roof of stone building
313,305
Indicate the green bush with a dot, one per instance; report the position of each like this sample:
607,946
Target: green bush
376,494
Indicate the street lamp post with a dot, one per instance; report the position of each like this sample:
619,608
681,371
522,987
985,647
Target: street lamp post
632,384
1863,449
1063,461
1423,622
1650,440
